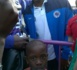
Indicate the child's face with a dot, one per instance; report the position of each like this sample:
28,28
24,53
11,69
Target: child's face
37,58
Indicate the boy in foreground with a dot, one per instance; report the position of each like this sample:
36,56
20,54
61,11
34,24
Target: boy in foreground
36,55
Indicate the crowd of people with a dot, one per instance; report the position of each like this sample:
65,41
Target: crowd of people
20,46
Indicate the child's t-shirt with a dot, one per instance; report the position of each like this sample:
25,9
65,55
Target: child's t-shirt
30,69
72,29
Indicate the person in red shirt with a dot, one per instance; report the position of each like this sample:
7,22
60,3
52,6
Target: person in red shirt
72,33
36,55
72,30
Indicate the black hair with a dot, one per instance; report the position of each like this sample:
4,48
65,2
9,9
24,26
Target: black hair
33,44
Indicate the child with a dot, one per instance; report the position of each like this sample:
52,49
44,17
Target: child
36,55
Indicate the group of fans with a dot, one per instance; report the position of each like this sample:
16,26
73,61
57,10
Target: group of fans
44,20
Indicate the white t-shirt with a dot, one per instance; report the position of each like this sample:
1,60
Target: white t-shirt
42,29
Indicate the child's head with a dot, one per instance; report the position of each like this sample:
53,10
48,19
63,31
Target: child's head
36,55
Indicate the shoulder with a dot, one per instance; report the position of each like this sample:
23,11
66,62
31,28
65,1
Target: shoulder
72,20
57,4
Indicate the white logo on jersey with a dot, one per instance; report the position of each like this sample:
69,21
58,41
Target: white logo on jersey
56,14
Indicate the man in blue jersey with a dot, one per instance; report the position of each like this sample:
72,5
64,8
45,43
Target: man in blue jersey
47,20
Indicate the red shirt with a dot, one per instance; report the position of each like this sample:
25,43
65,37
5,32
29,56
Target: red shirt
72,29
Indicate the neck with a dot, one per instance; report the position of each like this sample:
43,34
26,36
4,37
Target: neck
38,3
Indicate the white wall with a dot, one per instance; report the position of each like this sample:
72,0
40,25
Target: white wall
72,2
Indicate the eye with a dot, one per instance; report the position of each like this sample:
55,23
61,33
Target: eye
33,58
44,56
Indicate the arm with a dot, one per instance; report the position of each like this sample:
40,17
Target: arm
66,50
14,40
9,41
69,32
67,55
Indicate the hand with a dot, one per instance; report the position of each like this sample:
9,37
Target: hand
8,17
20,42
64,64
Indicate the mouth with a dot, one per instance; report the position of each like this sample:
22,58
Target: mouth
39,68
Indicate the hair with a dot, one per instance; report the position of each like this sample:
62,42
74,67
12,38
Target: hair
33,44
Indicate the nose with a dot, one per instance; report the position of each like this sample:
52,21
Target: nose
39,62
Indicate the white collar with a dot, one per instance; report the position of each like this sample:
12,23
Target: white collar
45,1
